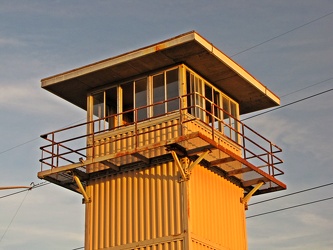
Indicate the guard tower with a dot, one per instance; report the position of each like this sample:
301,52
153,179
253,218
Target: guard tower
163,160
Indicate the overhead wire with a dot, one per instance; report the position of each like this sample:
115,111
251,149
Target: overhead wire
282,34
288,104
27,189
23,143
290,194
11,221
291,207
293,92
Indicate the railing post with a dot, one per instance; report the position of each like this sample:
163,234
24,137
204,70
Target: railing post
57,155
271,158
180,127
41,162
243,137
136,128
213,119
93,140
52,157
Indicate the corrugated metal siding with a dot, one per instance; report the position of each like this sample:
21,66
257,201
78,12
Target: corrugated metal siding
135,206
216,213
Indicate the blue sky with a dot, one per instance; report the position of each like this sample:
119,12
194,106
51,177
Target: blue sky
43,38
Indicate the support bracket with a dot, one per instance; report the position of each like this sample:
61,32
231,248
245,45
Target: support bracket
86,198
185,167
246,199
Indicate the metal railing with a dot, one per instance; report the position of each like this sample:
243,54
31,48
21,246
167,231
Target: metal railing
68,145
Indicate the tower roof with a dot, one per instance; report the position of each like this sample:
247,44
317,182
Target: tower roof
190,48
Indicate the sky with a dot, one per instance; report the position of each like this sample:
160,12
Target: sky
287,45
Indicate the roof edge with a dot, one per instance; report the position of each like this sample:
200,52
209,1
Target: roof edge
237,68
189,36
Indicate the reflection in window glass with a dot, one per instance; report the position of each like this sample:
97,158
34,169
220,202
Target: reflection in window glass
111,106
190,90
158,94
98,111
217,110
141,98
172,89
199,102
208,104
234,124
128,103
226,117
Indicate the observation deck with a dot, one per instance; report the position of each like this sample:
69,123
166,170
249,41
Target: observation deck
236,151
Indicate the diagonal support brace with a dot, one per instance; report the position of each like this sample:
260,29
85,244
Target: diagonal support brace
197,161
246,199
180,168
83,192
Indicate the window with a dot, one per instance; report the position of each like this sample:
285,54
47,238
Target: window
127,93
111,107
172,90
141,99
209,104
99,111
158,94
134,100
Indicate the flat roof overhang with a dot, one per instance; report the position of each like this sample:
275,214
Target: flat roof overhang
190,49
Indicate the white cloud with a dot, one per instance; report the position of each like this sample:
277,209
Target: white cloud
309,135
315,220
10,42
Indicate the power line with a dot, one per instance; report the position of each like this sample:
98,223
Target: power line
286,208
23,143
282,34
10,223
19,145
286,195
288,104
306,87
33,187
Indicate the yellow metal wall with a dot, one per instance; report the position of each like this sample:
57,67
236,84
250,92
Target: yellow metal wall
217,217
136,206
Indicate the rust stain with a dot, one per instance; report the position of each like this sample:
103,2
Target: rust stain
159,47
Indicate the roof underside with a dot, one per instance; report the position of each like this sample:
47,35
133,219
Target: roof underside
190,49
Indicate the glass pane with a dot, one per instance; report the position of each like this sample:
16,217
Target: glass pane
190,90
158,94
217,110
98,111
226,117
128,102
172,89
208,104
111,107
199,104
141,98
234,123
